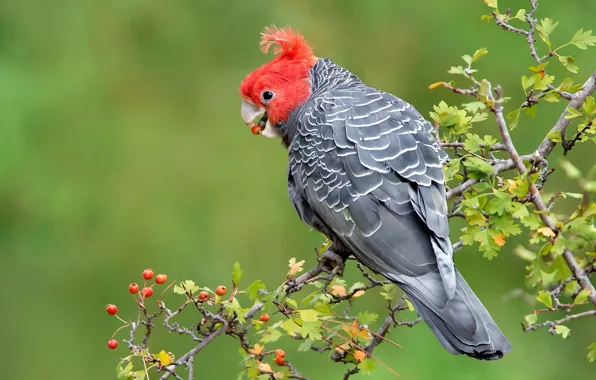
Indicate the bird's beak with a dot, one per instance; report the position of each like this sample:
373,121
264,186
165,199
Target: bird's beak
250,112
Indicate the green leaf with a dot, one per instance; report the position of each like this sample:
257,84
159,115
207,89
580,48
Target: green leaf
477,168
474,107
555,136
572,113
491,3
366,318
563,331
367,366
389,291
270,335
186,286
409,304
542,82
528,82
520,15
545,298
568,63
514,117
592,352
531,318
484,89
582,297
233,307
357,285
291,302
551,97
589,106
472,143
237,274
479,54
545,28
583,39
308,315
457,70
291,327
254,289
306,345
467,59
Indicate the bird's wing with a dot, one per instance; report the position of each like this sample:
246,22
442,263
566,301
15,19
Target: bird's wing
367,164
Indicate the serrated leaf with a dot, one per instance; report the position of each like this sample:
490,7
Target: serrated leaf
389,291
555,136
368,366
295,266
308,315
467,59
545,298
514,117
589,106
477,168
546,231
237,274
254,289
528,82
366,318
520,15
306,345
457,70
270,335
563,331
572,113
583,39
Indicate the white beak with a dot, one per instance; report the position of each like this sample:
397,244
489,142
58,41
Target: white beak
250,112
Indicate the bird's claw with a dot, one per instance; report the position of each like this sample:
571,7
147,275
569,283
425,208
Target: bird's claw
332,263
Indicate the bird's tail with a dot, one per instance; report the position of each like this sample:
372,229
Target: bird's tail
462,324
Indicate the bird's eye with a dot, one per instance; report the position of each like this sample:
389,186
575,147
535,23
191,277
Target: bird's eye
267,96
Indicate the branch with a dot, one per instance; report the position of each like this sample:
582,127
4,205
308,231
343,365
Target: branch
543,150
553,324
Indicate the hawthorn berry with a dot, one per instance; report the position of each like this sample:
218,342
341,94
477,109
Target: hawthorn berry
112,344
221,290
256,129
264,318
148,274
280,361
161,278
111,309
203,296
280,352
147,292
133,288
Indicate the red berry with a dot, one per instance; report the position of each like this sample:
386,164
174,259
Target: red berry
256,130
280,352
221,290
280,361
133,288
161,278
148,274
112,344
147,292
203,296
264,318
111,309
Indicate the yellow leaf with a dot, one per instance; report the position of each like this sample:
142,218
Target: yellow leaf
265,367
358,294
342,348
512,184
435,85
278,375
360,355
295,266
338,290
256,350
499,239
546,231
355,332
164,358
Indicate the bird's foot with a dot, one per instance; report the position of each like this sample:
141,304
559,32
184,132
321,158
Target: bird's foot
332,263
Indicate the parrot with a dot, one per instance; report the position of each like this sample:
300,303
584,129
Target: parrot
366,170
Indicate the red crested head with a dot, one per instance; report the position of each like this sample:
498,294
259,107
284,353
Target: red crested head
280,86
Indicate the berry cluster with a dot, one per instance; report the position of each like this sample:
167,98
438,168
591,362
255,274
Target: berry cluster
134,288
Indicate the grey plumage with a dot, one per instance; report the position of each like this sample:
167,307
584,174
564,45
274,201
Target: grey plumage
365,169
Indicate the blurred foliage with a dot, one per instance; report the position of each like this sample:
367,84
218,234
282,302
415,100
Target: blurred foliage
122,148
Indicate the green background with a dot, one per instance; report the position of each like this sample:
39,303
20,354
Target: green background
121,147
